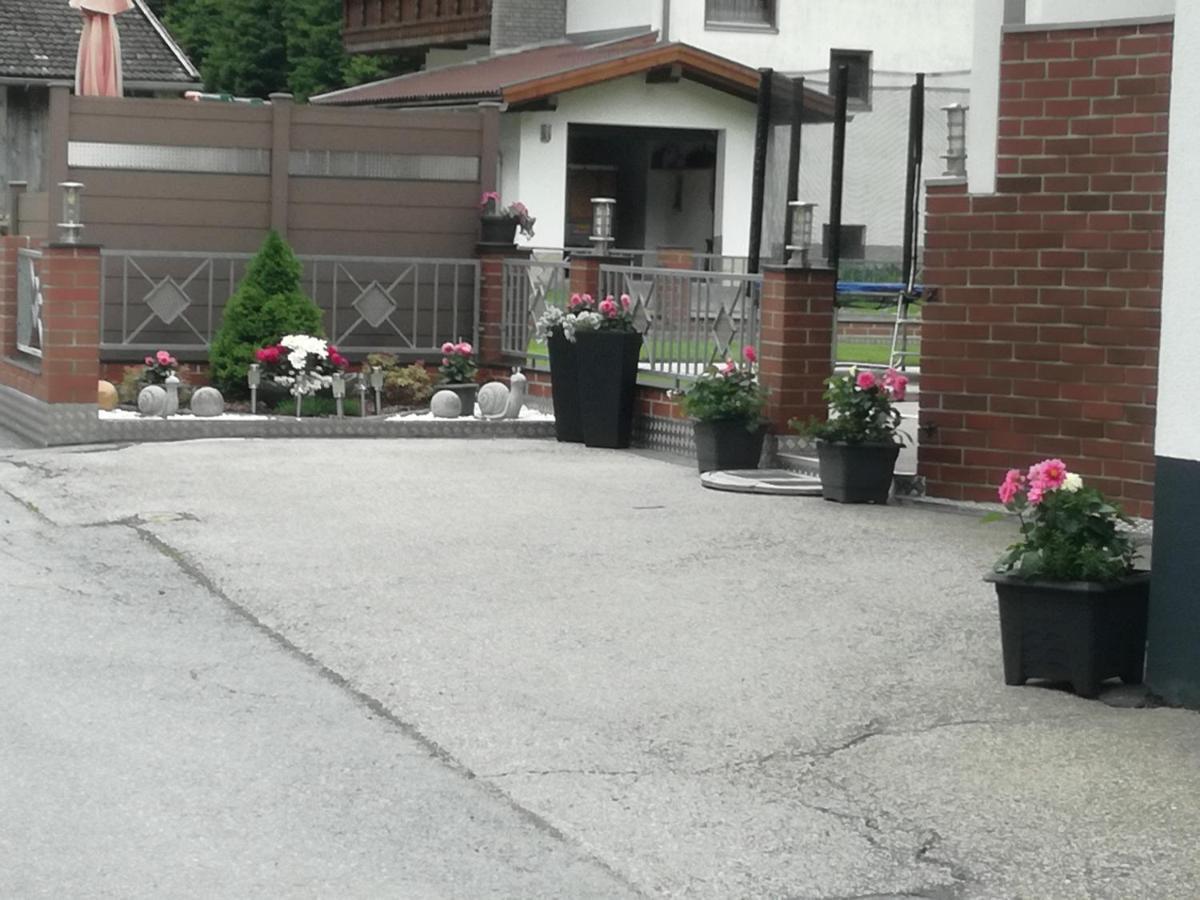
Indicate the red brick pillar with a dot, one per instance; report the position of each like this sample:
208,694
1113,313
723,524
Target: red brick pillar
70,276
490,351
8,292
585,274
796,347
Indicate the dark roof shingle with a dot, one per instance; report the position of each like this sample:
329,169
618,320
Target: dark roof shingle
39,40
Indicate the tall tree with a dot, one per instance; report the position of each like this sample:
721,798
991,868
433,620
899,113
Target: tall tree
255,47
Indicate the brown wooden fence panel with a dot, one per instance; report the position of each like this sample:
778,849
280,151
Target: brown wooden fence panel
177,175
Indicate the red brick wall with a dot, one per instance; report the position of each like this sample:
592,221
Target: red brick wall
1045,338
69,367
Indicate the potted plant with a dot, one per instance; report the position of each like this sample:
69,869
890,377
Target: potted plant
499,226
552,328
725,404
1072,607
301,363
858,445
458,374
608,348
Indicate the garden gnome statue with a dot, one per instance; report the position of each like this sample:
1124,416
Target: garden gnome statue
516,394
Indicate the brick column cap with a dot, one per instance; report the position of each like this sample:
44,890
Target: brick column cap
494,252
797,270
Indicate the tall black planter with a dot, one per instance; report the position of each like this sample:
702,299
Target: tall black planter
1078,631
857,473
608,367
564,387
728,444
466,396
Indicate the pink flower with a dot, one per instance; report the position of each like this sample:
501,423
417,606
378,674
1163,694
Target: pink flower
164,358
625,301
576,300
447,348
464,349
337,359
865,380
149,360
750,354
608,307
727,368
268,355
1011,486
587,299
1054,474
488,197
445,360
1035,495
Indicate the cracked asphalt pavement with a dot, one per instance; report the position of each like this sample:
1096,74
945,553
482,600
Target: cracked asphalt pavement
439,669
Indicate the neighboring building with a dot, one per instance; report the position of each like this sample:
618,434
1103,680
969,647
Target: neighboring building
39,40
674,140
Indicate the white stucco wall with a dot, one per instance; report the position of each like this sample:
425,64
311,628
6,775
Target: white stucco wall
1054,11
631,101
904,35
984,117
603,15
1178,433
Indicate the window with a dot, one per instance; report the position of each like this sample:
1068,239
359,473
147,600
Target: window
740,13
858,95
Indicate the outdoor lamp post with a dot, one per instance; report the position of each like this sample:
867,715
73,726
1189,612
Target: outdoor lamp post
956,155
602,223
377,386
362,392
802,231
72,212
339,392
253,379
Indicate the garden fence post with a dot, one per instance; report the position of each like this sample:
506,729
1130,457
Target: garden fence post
797,342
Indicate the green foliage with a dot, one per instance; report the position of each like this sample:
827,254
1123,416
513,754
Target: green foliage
267,305
728,393
861,410
254,47
1070,536
316,405
403,385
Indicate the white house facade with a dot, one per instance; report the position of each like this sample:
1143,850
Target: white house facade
674,144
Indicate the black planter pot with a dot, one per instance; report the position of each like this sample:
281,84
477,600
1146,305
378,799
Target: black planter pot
1077,631
857,473
466,395
497,230
728,444
608,367
564,388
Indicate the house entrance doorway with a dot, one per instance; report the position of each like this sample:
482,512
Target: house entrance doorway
663,179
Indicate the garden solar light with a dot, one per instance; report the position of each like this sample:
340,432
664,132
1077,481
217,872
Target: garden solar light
956,155
253,378
339,391
602,223
72,212
377,386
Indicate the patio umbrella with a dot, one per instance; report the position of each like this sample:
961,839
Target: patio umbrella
98,66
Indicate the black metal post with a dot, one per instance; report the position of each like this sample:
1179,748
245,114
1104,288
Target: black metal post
837,177
766,78
916,146
793,184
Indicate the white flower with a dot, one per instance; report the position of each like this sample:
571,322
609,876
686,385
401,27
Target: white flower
1073,482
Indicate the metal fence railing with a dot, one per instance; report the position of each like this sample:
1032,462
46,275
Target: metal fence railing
169,300
29,302
529,285
688,319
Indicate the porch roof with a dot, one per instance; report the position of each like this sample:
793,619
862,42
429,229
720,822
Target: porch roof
39,40
528,76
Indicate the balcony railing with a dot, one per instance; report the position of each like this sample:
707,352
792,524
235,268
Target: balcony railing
373,25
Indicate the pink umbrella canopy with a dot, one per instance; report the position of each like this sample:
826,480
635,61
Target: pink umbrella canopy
98,66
